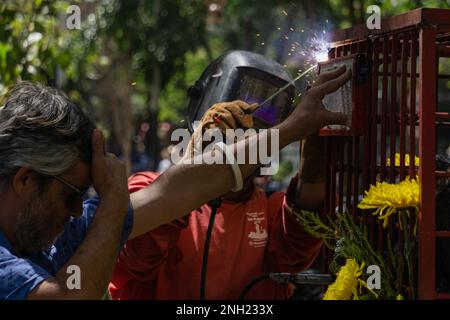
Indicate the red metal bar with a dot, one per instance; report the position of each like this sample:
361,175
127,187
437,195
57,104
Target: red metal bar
402,128
442,234
384,98
412,104
440,76
397,170
427,153
332,158
442,38
339,52
443,116
443,51
346,50
412,172
443,296
441,121
396,118
422,16
355,160
350,171
399,74
356,174
327,208
354,47
373,46
333,176
393,109
331,53
403,97
367,125
340,145
340,141
385,57
443,174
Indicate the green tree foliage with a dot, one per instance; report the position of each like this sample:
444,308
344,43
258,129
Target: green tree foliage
163,44
29,36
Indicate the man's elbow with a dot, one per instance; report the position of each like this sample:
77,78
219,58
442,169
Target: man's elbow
52,289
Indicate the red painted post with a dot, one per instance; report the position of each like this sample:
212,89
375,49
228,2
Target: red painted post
427,153
393,108
403,101
384,102
412,104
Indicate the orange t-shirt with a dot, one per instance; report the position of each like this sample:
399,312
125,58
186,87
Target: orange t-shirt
249,239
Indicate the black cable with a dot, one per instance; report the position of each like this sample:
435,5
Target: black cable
215,204
251,284
296,278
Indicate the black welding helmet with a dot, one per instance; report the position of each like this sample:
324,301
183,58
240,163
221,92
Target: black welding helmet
247,76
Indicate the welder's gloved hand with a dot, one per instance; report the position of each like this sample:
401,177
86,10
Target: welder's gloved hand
222,116
229,115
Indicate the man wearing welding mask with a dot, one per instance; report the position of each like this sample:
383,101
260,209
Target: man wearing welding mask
219,248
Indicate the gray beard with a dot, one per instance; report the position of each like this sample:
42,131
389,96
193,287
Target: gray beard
34,227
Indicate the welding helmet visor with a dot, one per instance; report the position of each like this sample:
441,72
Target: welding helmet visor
247,76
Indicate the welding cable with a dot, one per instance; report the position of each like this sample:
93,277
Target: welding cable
251,284
284,277
215,204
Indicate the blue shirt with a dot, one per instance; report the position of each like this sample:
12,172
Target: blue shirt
20,275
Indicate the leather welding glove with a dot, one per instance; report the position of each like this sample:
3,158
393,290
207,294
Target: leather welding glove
222,116
229,115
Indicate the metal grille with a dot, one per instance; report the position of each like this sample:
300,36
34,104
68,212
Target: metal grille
401,116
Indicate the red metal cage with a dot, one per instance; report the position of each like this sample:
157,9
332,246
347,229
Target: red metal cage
402,115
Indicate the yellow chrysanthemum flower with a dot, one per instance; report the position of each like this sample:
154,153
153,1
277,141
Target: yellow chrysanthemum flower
346,286
407,160
387,198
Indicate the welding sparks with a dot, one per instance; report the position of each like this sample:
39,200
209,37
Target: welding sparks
288,85
320,48
321,56
314,50
310,52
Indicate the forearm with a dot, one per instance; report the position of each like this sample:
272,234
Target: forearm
310,189
310,196
97,254
185,187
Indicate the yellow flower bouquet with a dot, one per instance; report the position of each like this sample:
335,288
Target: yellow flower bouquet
347,235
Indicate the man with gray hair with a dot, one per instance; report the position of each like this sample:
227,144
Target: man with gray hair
51,153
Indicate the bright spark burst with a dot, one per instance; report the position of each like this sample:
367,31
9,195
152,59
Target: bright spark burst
319,48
